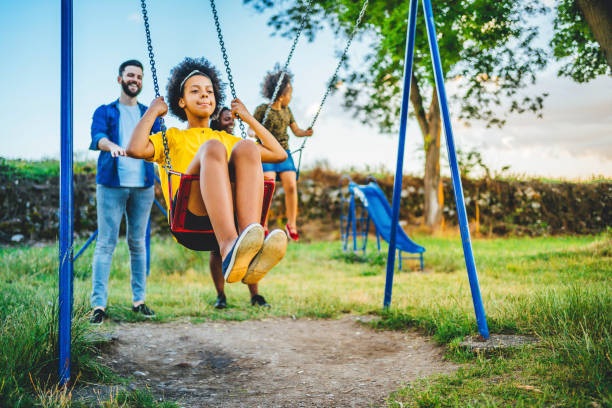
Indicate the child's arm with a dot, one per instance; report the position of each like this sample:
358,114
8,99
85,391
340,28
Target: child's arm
299,132
271,151
140,147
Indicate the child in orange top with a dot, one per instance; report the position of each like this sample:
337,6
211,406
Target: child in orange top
195,95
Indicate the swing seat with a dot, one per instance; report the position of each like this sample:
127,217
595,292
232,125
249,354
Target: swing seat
201,239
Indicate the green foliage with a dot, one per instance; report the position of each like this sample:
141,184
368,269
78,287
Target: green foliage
29,349
573,43
558,288
39,170
372,258
140,399
486,46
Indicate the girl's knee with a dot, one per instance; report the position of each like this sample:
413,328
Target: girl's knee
213,149
246,149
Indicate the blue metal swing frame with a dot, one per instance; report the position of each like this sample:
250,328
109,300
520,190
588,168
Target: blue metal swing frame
66,227
481,319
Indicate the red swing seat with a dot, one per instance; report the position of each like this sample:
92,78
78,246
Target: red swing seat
203,239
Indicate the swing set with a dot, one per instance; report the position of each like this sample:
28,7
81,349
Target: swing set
177,208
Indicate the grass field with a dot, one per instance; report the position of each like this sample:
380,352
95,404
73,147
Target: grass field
557,288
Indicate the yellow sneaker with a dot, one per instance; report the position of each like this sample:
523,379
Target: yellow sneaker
272,251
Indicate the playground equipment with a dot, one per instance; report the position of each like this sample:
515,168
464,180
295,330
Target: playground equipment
66,227
481,319
371,205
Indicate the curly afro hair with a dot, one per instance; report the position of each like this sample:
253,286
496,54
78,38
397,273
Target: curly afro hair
270,81
180,72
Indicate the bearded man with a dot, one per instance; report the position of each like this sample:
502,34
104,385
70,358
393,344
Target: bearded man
123,186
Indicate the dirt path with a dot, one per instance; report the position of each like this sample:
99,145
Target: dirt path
273,362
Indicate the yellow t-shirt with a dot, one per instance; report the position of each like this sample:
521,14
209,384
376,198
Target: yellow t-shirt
182,146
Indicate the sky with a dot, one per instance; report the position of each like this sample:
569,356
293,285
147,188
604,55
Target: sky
573,140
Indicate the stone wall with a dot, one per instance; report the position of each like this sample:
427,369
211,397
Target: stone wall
30,207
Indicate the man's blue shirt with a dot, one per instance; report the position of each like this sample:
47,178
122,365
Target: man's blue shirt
106,124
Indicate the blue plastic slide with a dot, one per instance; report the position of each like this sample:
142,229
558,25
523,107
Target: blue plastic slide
379,210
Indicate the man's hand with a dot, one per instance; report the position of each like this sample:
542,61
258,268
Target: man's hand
116,150
308,132
159,106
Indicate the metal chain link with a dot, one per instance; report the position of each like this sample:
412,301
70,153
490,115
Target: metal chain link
230,78
332,82
284,70
145,17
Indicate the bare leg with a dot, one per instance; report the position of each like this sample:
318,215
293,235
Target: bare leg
214,197
253,288
216,271
288,178
269,175
245,164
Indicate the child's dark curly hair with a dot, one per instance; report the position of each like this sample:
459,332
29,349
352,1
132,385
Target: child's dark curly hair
180,72
270,81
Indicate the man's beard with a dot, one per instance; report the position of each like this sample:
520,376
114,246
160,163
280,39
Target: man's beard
128,91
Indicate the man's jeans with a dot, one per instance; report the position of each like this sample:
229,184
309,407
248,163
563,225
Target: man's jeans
113,202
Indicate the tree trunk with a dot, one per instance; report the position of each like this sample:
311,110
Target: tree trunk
433,203
430,125
598,15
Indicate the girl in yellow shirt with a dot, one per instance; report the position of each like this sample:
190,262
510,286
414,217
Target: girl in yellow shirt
194,96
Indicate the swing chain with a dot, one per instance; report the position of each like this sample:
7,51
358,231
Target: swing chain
230,78
162,123
332,82
284,70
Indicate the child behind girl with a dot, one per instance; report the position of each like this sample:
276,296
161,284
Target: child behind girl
220,159
279,118
225,123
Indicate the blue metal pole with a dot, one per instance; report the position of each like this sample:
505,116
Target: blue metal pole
85,246
397,188
481,318
148,245
354,220
66,196
161,208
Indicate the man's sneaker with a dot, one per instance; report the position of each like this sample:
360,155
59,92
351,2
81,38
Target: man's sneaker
272,251
293,235
247,245
97,316
221,302
259,300
144,310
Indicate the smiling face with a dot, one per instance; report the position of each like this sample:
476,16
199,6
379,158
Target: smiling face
131,80
198,98
226,121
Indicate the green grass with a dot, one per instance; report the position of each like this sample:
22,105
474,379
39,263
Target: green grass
40,170
557,288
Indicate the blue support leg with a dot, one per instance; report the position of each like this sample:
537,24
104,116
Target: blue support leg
66,226
399,256
354,221
86,245
148,245
365,235
457,188
397,187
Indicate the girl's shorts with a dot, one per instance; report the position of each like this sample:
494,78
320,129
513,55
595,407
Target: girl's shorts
281,167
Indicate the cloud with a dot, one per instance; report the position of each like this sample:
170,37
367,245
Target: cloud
135,17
